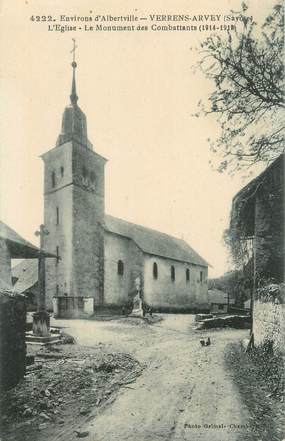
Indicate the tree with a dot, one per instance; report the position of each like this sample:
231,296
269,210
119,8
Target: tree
246,67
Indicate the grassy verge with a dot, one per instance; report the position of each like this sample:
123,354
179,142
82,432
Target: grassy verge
259,376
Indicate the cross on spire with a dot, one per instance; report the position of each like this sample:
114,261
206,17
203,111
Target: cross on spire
73,50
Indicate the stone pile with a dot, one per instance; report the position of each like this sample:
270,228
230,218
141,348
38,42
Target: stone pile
60,392
231,321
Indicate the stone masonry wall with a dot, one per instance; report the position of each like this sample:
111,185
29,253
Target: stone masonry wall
87,265
12,339
73,215
59,273
269,225
88,218
58,195
269,323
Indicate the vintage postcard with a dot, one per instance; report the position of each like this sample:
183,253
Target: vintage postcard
142,220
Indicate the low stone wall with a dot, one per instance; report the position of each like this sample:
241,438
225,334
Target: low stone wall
180,309
231,321
73,307
269,323
12,339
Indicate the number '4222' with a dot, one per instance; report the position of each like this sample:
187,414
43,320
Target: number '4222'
42,18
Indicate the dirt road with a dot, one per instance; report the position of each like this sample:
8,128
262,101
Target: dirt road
184,393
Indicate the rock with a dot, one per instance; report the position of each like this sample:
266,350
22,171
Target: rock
42,426
44,416
199,317
42,404
81,434
67,339
60,421
240,322
84,411
34,367
27,412
47,393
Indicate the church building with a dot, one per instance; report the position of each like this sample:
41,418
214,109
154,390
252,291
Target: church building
102,261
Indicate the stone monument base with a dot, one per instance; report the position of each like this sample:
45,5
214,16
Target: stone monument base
38,340
137,307
137,313
41,324
41,330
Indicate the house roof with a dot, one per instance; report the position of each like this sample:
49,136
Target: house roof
25,274
4,286
154,242
18,246
250,188
219,297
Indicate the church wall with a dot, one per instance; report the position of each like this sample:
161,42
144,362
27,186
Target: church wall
5,263
178,294
58,194
88,216
87,246
120,289
54,160
74,211
59,273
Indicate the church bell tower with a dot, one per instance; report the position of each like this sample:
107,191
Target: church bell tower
74,194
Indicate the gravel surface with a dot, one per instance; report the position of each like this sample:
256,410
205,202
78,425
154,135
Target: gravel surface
185,392
127,380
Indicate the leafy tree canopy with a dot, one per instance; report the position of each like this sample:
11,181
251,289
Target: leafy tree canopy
247,70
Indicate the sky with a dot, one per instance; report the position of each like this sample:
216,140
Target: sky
139,93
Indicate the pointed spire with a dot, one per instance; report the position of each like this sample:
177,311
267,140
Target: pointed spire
73,96
74,123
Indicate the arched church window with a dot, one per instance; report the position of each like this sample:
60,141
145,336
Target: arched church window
172,270
201,276
120,267
61,171
92,176
155,270
53,180
187,275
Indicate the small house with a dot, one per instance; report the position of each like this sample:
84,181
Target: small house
219,301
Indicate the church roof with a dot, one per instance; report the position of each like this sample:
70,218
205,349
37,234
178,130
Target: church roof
154,242
18,246
5,287
25,275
